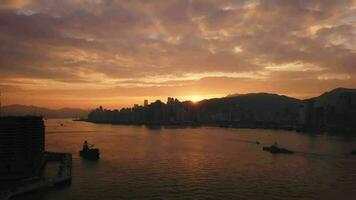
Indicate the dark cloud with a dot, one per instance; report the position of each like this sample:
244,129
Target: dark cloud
178,43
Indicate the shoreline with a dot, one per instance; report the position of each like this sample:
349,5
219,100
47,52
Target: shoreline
333,130
193,124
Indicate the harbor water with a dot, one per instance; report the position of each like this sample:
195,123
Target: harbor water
139,162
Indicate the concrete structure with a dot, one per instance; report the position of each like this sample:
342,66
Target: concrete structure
23,157
22,142
64,175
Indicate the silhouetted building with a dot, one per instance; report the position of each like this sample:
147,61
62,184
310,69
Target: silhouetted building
305,113
254,110
145,103
333,111
22,147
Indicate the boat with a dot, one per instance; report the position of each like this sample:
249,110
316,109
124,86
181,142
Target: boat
353,152
277,150
88,152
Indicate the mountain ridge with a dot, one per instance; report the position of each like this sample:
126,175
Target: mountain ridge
21,110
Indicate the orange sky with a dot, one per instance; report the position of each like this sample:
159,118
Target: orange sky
86,53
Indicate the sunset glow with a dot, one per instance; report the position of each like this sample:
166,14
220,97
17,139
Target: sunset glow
118,53
177,99
195,98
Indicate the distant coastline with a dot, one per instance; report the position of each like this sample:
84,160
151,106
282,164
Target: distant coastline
333,111
25,110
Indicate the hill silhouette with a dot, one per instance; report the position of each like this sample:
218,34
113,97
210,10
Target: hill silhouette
244,110
332,111
22,110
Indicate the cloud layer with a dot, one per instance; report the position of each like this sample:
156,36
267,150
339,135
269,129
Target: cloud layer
115,53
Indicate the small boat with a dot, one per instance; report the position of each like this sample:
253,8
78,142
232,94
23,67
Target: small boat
88,152
277,150
353,152
91,154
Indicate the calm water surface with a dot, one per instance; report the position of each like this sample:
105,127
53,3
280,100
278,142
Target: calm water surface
200,163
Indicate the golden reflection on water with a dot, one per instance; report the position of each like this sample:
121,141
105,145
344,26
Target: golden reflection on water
198,163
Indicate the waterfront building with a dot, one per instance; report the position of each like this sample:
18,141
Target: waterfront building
22,147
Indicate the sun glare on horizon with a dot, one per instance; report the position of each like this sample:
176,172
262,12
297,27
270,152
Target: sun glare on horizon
195,98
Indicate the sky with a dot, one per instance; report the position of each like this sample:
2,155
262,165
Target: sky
86,53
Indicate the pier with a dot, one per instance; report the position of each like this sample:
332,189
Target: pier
63,176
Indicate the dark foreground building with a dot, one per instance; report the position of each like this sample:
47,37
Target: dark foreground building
23,159
22,142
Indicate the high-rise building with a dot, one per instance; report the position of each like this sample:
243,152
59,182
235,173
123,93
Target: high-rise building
170,100
145,103
22,147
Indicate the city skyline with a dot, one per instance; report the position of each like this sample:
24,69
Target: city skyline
145,102
86,53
